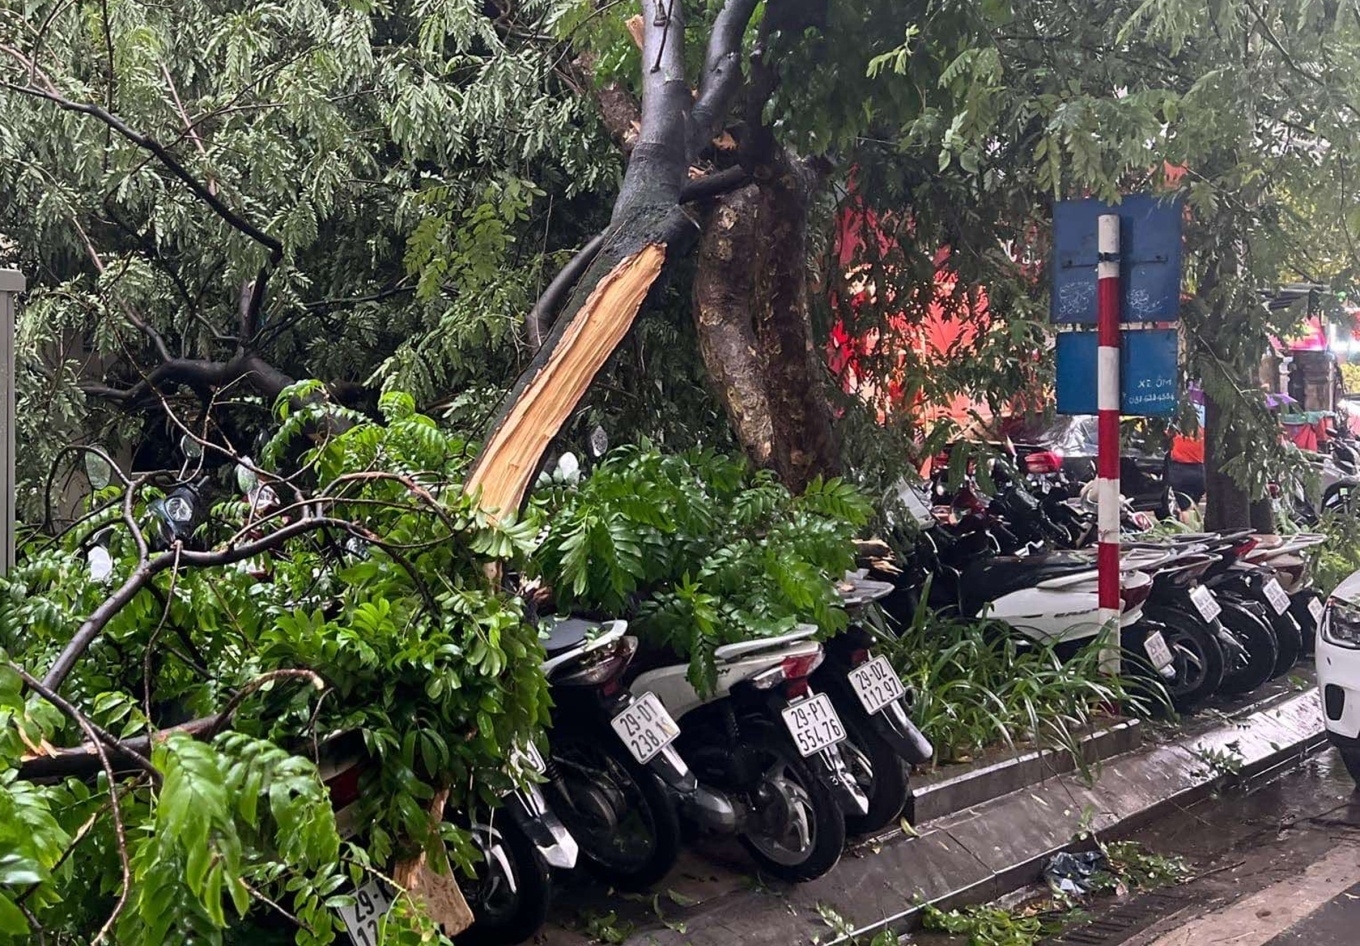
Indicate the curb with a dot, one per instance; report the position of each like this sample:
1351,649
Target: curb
998,845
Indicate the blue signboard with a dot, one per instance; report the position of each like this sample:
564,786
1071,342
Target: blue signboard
1147,370
1150,247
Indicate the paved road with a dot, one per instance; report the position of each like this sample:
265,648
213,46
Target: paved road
1278,866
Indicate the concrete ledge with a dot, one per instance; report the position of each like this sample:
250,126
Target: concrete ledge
957,787
992,847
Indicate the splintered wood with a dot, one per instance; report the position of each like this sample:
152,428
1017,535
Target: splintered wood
435,885
516,446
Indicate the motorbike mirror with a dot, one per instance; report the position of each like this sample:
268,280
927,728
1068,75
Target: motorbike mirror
97,471
568,469
247,480
101,563
599,442
191,448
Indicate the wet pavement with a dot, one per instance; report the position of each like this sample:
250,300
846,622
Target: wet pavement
1274,864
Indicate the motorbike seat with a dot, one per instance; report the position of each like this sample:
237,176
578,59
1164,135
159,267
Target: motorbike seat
857,590
566,633
991,578
741,648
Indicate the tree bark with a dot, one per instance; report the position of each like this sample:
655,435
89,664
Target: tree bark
724,292
754,326
805,442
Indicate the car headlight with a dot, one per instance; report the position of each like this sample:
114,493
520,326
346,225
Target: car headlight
1341,624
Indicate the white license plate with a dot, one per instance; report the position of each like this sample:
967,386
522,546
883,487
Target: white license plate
1205,603
813,724
371,902
645,727
876,684
1315,609
1276,596
1157,651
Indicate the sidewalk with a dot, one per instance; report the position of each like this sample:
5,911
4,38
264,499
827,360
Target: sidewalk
974,843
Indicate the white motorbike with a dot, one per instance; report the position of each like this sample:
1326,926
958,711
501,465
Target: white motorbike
770,744
1046,597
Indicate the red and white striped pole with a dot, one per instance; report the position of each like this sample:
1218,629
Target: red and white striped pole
1107,388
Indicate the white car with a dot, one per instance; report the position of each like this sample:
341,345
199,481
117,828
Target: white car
1338,671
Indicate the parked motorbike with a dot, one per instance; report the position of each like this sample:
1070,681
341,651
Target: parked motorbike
772,744
1181,636
882,742
610,760
519,842
1283,555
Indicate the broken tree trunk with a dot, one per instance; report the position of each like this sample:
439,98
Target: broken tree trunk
647,227
544,399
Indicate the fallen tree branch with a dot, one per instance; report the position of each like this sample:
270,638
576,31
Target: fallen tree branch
153,566
541,317
200,375
99,738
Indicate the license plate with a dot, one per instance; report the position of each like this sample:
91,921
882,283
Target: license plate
371,902
1315,609
1205,603
813,724
876,684
1157,651
645,727
1276,596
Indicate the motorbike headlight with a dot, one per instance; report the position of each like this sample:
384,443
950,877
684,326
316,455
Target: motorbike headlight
1341,624
179,509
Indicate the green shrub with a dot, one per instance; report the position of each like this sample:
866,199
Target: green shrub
976,687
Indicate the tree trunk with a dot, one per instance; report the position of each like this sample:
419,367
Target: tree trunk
805,443
724,295
647,227
1227,505
755,330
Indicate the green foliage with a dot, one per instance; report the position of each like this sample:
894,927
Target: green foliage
387,626
1024,103
975,688
1137,868
1337,558
989,925
425,166
698,550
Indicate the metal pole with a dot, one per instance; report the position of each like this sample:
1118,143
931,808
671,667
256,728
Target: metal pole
1107,388
11,284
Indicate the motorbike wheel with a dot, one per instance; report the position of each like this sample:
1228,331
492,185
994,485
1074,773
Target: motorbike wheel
797,829
510,894
1290,638
1252,629
1197,657
618,811
1299,606
876,767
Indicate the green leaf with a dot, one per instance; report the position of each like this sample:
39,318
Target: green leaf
12,920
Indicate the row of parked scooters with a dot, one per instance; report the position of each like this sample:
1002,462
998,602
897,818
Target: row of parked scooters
1206,612
802,742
